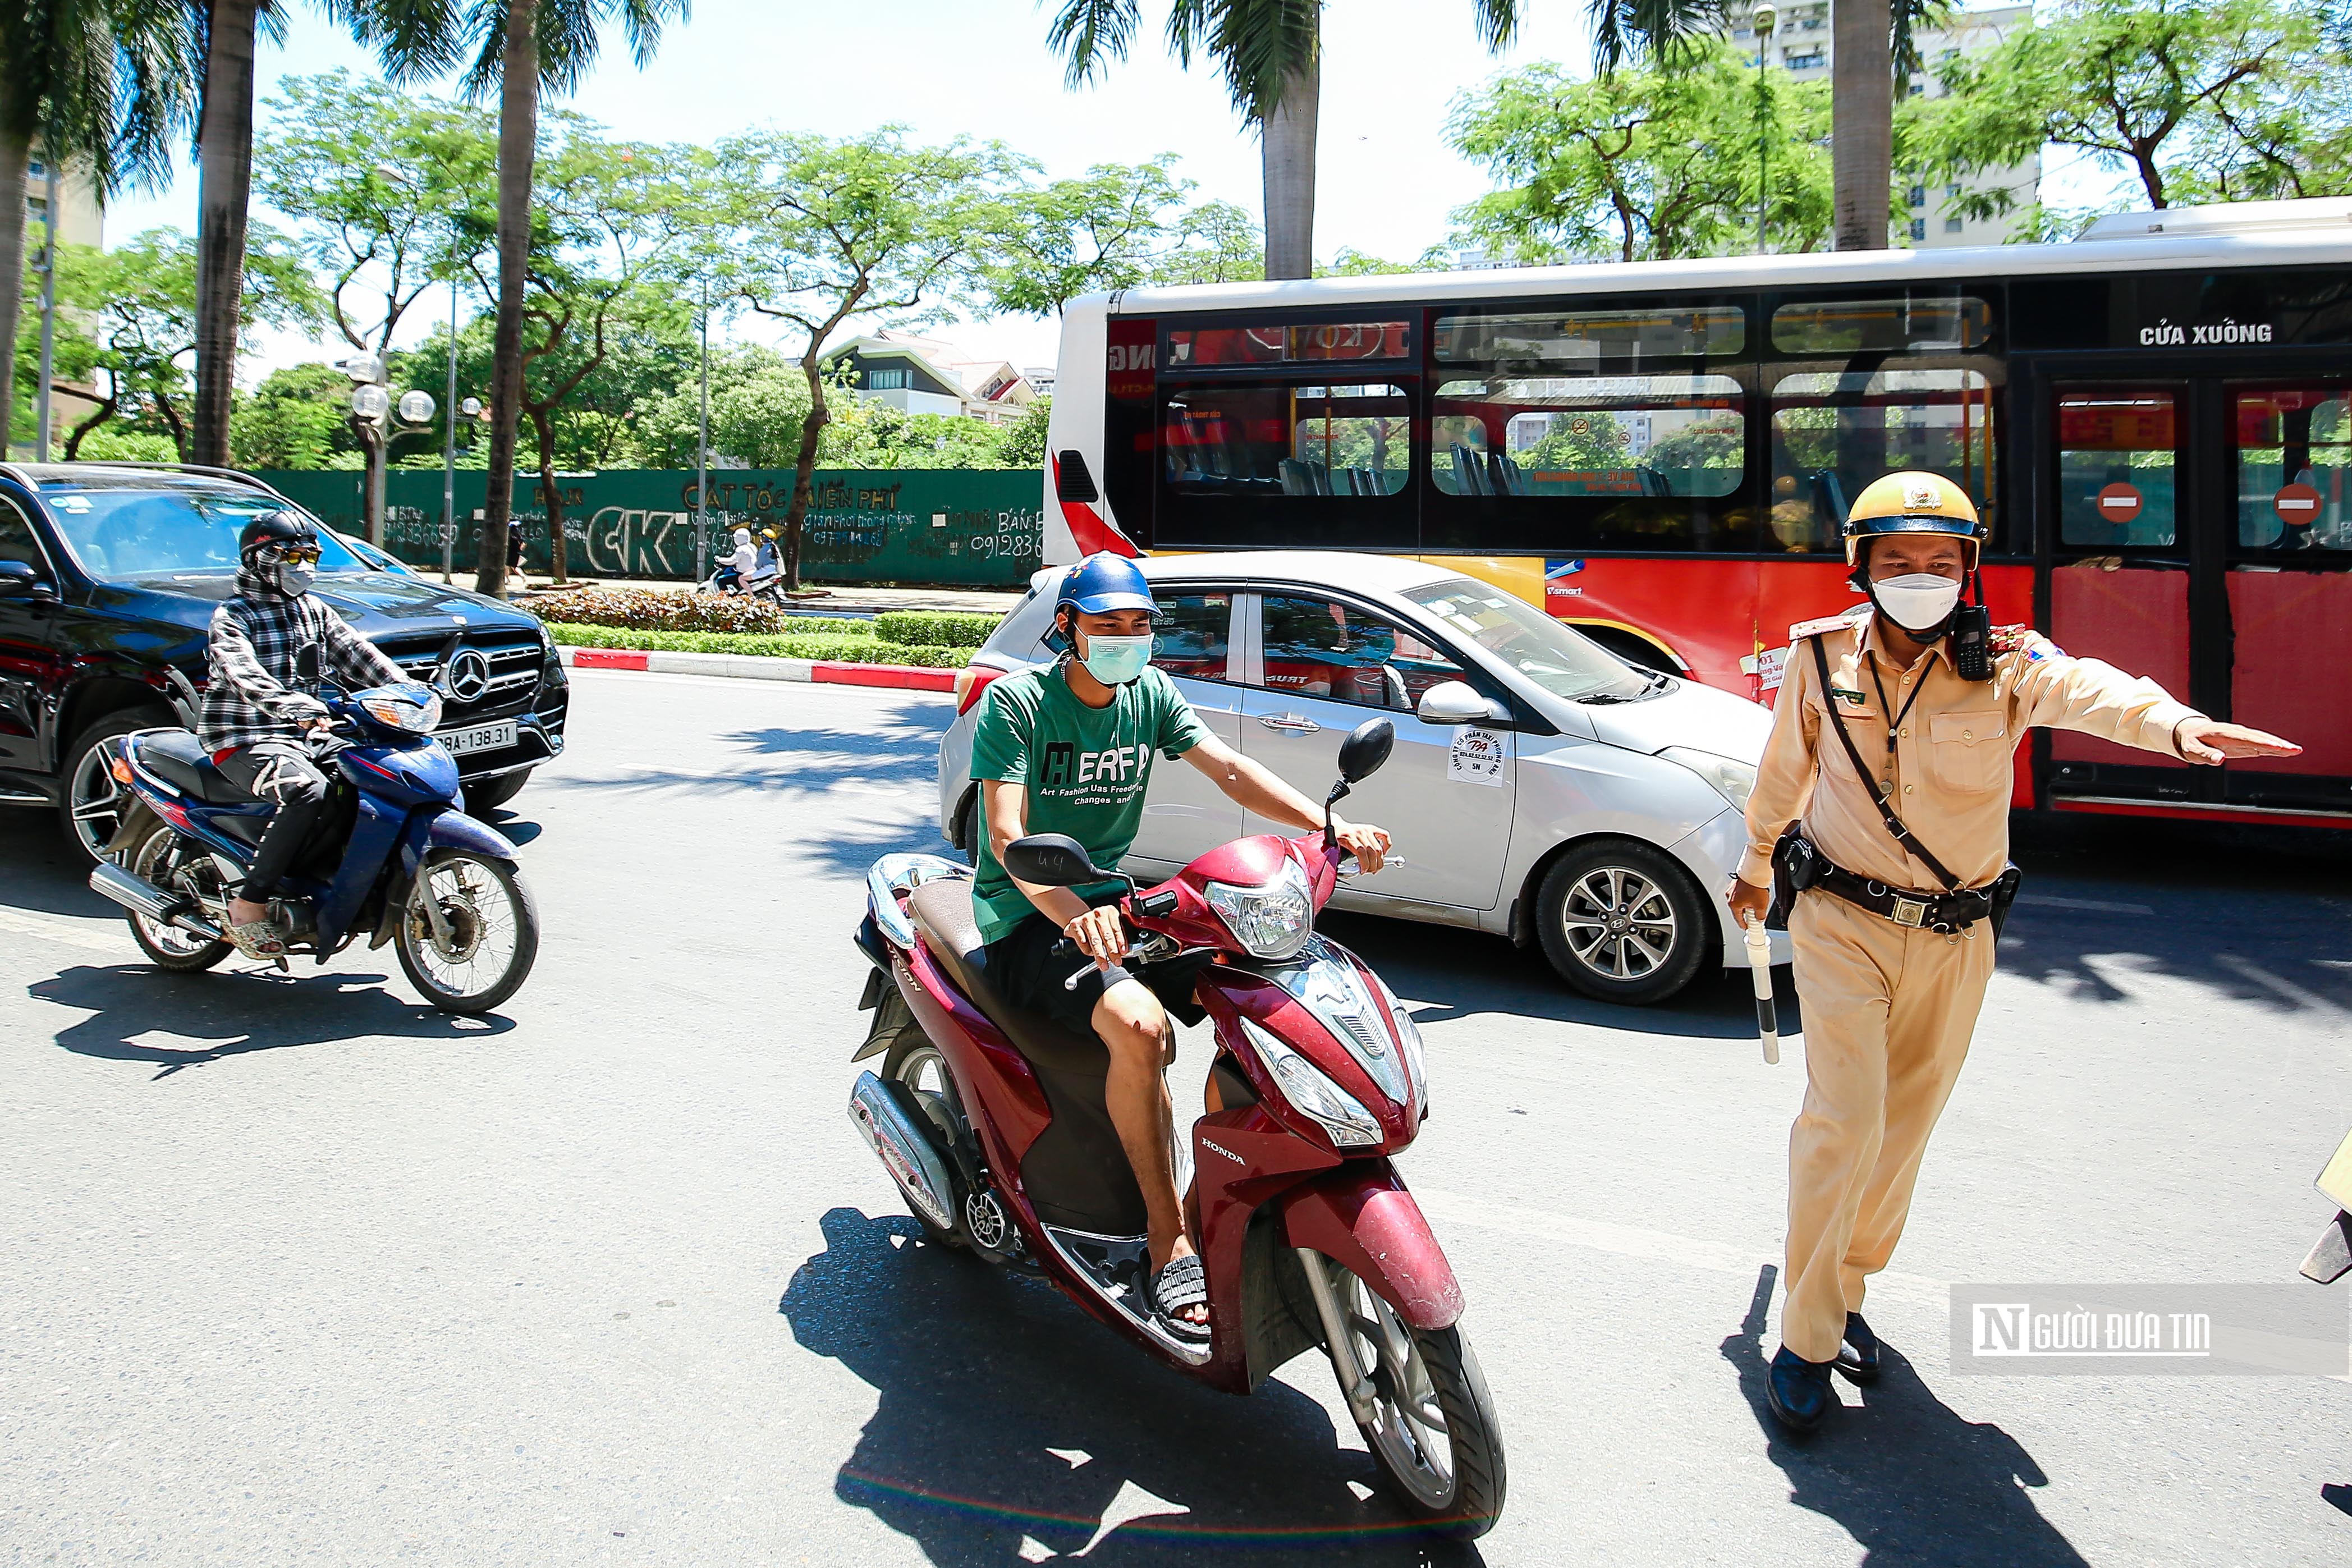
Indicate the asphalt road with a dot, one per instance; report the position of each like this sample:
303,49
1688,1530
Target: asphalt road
297,1269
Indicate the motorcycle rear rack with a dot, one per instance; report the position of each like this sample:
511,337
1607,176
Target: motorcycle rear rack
1119,1269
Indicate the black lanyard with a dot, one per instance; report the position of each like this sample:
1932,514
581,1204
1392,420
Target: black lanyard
1894,720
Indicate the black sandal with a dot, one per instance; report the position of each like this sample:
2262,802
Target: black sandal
1183,1283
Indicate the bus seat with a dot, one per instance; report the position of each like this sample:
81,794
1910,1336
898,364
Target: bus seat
1653,483
1829,497
1295,481
1469,473
1508,479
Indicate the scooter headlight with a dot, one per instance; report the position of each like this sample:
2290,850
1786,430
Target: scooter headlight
412,708
1273,919
1340,1115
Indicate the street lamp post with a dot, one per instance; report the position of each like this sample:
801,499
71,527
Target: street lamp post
1764,20
449,448
702,452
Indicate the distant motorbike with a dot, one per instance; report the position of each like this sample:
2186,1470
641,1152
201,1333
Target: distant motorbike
993,1124
2330,1258
392,857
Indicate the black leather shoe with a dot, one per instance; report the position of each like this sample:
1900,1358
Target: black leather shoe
1857,1354
1798,1390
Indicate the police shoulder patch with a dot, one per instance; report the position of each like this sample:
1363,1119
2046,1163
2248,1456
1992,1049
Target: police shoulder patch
1838,623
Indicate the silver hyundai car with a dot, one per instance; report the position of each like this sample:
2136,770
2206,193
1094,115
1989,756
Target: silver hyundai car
1541,788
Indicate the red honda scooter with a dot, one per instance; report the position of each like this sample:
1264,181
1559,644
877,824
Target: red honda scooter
993,1122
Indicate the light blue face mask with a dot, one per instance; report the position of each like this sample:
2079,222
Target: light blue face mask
1115,661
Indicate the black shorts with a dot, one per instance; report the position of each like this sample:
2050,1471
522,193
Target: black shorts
1030,963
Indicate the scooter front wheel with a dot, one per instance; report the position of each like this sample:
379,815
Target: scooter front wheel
1433,1426
479,949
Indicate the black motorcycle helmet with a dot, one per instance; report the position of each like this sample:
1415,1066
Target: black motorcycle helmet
282,528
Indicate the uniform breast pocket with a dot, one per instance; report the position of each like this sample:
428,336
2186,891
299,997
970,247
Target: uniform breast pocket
1970,751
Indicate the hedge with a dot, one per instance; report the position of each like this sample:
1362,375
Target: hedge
954,630
839,648
645,609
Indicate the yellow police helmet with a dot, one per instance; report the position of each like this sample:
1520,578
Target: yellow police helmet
1913,504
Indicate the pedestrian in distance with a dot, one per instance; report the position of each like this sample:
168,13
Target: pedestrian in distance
1892,739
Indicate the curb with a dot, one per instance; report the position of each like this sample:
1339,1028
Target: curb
755,667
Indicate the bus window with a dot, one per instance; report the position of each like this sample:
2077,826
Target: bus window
1833,434
1582,339
2118,461
1589,435
1925,323
1252,439
1196,347
2293,448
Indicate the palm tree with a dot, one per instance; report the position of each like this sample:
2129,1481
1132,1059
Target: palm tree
1870,48
518,48
104,85
1271,53
226,32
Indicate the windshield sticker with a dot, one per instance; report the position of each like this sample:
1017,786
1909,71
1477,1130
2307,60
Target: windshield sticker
70,503
1476,758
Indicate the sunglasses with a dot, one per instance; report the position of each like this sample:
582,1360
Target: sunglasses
296,555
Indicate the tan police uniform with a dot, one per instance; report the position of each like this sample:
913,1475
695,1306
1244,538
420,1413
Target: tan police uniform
1888,1008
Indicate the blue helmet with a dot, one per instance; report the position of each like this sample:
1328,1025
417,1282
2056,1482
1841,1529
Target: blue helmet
1102,582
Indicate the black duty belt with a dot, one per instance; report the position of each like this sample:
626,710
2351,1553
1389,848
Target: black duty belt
1945,913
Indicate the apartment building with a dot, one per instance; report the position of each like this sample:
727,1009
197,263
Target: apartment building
81,221
1801,45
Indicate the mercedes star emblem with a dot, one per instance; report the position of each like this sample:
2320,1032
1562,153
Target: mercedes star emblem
468,676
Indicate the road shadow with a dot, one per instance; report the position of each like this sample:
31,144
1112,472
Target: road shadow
2252,914
39,871
223,1014
1011,1429
899,755
1910,1479
1464,974
517,830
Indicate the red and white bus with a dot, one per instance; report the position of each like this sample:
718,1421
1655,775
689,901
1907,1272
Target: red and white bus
2155,419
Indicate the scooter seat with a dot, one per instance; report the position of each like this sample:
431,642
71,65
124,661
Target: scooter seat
179,759
943,913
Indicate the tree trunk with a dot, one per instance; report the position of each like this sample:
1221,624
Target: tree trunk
804,465
518,146
15,156
542,424
1862,121
224,187
1287,140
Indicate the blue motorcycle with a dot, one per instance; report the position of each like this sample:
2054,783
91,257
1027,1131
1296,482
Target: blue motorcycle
392,858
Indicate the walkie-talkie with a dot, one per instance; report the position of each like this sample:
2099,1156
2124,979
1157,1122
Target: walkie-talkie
1971,637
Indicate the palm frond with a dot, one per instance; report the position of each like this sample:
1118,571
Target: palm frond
1498,22
1090,35
1658,30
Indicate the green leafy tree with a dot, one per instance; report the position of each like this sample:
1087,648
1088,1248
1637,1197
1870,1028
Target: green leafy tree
1270,53
1023,443
1631,164
1215,242
518,48
2219,99
758,399
101,86
1873,57
1109,228
141,298
386,189
298,417
818,230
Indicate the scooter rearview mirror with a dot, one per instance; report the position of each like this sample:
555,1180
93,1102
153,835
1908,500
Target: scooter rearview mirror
1050,861
1365,749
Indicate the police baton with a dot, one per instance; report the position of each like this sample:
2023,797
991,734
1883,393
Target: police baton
1759,969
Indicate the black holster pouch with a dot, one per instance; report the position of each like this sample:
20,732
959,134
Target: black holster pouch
1796,866
2001,894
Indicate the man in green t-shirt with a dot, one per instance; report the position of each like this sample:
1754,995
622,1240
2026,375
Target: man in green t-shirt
1069,749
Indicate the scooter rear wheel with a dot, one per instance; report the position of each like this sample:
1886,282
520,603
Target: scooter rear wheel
162,857
1435,1431
917,1064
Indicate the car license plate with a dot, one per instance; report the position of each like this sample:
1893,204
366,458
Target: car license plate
481,738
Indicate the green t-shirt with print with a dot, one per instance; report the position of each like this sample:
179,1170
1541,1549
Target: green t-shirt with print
1084,768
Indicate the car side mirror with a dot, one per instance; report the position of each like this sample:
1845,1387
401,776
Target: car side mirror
1365,749
20,581
1050,861
1458,702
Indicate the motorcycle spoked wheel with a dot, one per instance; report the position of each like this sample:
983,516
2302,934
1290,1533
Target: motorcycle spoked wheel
1435,1431
173,864
493,931
917,1064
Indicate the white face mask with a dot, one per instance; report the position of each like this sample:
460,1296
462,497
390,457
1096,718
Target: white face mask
1919,602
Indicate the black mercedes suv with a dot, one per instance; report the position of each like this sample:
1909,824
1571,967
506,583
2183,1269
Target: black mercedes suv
108,577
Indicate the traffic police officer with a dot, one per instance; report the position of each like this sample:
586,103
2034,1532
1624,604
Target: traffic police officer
1901,851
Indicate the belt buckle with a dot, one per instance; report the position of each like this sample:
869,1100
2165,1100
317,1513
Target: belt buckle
1908,912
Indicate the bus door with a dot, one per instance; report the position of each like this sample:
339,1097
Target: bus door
2199,534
